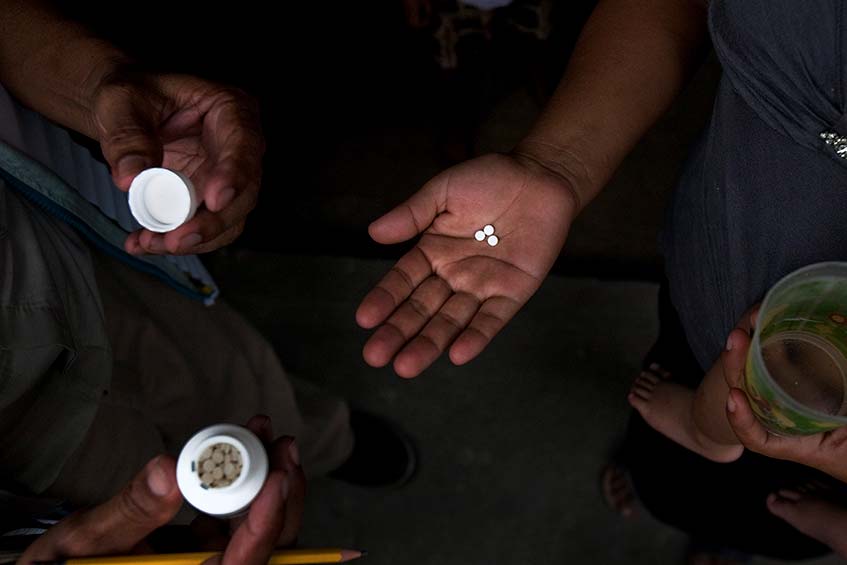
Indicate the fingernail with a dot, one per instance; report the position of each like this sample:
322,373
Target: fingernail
134,248
294,452
266,423
286,487
157,480
729,343
190,240
156,244
131,164
730,404
225,197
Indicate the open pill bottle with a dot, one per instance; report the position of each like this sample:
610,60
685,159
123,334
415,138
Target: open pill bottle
221,469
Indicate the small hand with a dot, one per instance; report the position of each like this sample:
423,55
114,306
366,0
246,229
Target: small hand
826,451
450,288
209,132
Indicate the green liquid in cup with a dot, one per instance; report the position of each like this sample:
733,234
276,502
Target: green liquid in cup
808,369
796,375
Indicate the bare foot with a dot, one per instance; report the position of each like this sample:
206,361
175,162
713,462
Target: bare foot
668,408
617,489
814,516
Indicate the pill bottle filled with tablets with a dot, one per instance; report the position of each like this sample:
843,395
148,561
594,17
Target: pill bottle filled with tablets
221,469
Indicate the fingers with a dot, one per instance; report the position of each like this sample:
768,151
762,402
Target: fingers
750,432
406,321
276,515
237,146
492,316
226,121
395,287
254,540
437,335
116,526
734,357
285,455
413,216
206,234
224,238
261,426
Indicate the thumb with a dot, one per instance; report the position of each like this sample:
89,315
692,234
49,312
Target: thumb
749,431
734,357
129,137
119,524
148,502
413,216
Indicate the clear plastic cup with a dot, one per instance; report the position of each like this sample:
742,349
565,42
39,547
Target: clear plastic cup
796,375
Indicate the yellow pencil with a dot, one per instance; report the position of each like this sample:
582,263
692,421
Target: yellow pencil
282,557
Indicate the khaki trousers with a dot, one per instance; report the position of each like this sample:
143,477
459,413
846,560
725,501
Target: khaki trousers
180,366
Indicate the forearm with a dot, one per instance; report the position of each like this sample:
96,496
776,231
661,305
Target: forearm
51,64
631,61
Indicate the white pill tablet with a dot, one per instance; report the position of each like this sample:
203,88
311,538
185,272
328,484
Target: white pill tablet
479,235
488,230
493,240
161,199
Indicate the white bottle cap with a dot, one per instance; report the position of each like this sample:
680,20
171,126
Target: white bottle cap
221,469
161,199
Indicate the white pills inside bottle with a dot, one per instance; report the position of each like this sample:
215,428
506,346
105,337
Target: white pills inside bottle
221,469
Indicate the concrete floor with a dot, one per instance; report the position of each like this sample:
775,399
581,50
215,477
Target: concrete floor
510,445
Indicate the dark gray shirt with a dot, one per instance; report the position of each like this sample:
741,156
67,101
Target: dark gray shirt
762,194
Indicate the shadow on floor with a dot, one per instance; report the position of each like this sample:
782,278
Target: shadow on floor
511,444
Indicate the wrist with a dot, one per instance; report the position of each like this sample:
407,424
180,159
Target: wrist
564,163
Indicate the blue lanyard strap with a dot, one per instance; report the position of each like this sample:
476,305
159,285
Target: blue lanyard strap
49,192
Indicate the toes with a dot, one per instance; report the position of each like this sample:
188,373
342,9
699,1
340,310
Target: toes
658,370
818,486
780,507
638,402
648,377
643,387
617,491
790,494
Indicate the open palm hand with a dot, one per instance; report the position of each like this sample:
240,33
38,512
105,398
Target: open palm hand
452,291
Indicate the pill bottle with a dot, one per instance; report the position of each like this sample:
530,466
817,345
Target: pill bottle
221,469
161,199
